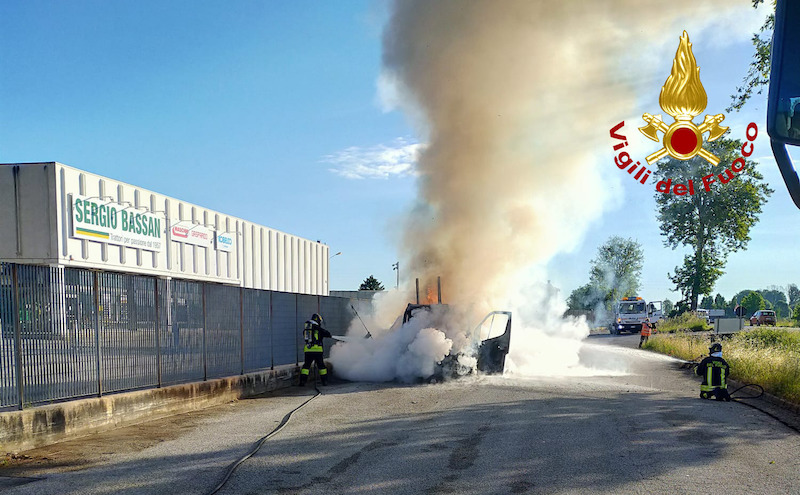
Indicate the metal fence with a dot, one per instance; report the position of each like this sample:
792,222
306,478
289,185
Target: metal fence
67,333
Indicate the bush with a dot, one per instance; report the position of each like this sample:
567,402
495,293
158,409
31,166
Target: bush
769,338
683,322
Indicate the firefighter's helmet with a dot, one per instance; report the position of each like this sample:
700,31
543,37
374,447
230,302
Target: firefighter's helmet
317,318
715,347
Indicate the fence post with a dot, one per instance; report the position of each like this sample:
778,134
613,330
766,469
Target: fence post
296,338
205,369
241,324
271,334
17,334
97,309
158,331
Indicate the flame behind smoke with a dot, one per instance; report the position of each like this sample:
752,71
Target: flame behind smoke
683,94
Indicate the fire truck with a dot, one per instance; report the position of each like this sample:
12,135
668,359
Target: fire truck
631,312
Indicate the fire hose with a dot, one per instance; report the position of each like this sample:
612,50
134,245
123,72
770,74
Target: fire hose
266,437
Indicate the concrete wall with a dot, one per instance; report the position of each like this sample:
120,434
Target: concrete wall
31,428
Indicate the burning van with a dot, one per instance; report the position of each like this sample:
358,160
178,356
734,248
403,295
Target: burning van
484,349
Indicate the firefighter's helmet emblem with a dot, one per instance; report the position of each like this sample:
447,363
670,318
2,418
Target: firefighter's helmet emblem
684,98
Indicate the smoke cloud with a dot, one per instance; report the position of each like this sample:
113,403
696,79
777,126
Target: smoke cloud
515,99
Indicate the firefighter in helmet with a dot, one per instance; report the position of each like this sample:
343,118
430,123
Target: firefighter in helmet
313,333
714,371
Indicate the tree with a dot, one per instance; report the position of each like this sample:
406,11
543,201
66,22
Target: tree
794,295
586,297
712,223
371,283
796,314
753,302
667,307
782,310
707,302
719,302
617,268
774,295
737,299
758,75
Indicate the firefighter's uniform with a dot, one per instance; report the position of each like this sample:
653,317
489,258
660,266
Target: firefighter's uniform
313,333
714,371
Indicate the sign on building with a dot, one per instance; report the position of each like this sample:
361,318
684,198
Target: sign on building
101,221
192,233
224,241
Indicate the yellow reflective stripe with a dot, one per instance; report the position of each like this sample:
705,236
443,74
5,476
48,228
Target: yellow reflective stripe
313,348
707,388
722,377
708,375
323,371
303,371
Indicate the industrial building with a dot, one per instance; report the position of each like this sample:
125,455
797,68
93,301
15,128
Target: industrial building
108,287
56,215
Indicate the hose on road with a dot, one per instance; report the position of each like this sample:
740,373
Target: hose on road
741,400
266,437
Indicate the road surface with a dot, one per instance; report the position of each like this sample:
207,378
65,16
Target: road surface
640,431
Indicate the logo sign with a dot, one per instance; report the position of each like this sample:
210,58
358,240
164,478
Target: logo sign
113,223
192,233
683,98
223,241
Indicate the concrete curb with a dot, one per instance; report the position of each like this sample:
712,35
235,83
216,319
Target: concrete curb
38,426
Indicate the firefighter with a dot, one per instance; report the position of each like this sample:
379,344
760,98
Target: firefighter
714,371
313,333
646,331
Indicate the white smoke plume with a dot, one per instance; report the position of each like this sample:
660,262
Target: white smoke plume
514,100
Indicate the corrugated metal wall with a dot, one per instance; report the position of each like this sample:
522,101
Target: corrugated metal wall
69,333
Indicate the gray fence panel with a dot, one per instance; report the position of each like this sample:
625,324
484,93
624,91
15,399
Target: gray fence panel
8,363
257,331
306,306
81,332
223,331
181,325
128,352
56,363
284,328
337,314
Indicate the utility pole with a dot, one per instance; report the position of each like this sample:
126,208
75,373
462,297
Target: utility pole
396,267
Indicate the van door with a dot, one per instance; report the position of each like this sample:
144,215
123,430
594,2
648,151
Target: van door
494,332
655,311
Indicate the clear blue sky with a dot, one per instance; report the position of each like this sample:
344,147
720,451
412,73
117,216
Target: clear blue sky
270,111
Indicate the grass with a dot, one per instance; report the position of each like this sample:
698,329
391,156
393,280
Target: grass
769,357
684,322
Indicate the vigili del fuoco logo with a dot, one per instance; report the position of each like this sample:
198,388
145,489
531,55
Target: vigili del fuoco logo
683,98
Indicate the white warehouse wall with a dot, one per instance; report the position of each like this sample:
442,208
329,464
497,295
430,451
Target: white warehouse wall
37,226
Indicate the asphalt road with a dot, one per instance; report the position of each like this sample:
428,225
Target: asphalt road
640,431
